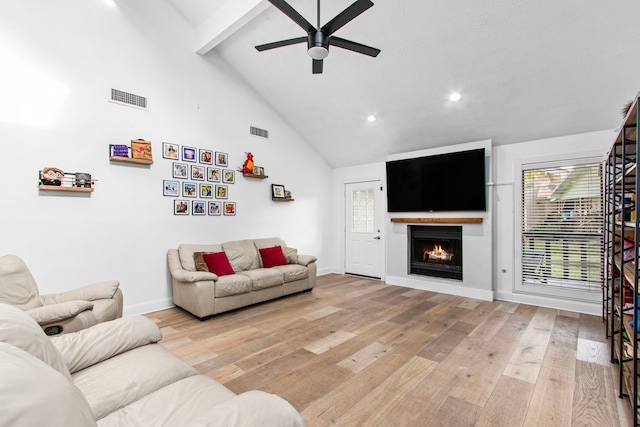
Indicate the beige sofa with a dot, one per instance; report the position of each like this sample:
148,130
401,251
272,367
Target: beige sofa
116,374
204,294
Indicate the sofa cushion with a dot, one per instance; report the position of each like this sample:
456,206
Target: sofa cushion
233,284
199,261
269,242
218,263
123,379
293,272
186,250
190,398
262,278
291,254
19,329
34,394
239,260
272,257
248,249
89,346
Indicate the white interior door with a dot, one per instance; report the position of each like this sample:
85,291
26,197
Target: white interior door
364,213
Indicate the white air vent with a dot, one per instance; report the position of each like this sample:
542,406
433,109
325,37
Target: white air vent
258,132
129,99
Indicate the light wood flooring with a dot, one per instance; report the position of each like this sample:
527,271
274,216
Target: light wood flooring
358,352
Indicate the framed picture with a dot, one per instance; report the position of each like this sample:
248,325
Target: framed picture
206,156
222,159
189,189
189,154
206,191
198,207
213,174
277,191
181,207
170,188
180,170
258,170
228,176
222,192
141,149
215,209
229,208
170,151
197,172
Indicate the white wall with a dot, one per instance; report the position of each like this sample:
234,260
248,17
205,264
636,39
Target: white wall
72,53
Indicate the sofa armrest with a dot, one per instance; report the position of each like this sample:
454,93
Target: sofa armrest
93,292
193,276
102,341
250,409
57,312
306,259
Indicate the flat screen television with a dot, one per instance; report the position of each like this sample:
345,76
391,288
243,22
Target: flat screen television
444,182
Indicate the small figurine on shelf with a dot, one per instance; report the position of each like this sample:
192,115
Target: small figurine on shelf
51,176
83,180
247,167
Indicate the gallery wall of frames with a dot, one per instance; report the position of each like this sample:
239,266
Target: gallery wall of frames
200,182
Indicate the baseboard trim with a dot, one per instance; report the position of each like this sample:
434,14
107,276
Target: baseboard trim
147,307
449,289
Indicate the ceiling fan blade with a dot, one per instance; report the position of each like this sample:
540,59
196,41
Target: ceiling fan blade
345,16
281,43
356,47
317,66
293,14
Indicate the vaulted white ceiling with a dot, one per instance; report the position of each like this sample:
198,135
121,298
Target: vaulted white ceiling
526,69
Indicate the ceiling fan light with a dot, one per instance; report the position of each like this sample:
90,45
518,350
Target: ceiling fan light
318,52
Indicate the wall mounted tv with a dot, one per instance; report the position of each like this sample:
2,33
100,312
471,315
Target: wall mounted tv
443,182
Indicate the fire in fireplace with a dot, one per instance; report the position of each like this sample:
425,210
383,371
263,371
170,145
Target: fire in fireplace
435,251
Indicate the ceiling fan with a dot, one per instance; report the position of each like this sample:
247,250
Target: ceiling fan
320,38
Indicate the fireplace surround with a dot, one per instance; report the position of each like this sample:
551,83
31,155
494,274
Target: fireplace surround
435,250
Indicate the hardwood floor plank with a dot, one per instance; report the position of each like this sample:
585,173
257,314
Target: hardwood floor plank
487,360
329,342
508,403
363,358
526,361
553,394
455,412
593,405
388,394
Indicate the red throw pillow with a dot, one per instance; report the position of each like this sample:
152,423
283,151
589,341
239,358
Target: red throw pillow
272,257
218,263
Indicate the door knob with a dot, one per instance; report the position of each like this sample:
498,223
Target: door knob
377,237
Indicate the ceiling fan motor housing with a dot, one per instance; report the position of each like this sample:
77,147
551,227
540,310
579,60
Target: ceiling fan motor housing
318,45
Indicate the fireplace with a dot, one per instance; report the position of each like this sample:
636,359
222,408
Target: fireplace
435,251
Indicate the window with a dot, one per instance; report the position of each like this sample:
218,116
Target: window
562,228
362,209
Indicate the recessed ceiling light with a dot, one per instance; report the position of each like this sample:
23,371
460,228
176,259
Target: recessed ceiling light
455,96
371,118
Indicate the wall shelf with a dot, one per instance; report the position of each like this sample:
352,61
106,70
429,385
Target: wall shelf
281,199
439,220
130,160
250,175
61,188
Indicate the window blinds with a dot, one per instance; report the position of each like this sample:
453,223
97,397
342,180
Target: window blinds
562,227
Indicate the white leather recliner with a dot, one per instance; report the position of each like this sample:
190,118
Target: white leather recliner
63,312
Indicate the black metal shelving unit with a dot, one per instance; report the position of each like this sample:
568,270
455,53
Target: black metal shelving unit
621,248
